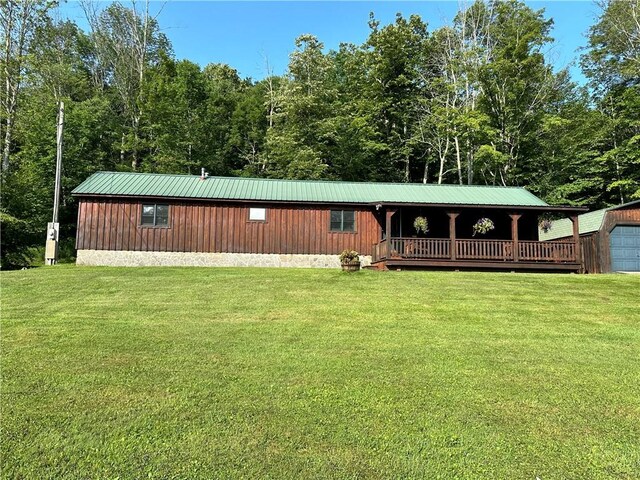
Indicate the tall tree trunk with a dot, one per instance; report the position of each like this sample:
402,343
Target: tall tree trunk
135,163
407,161
270,92
7,143
458,160
425,173
443,158
615,147
10,91
122,149
470,161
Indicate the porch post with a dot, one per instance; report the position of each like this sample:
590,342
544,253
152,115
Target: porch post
576,237
514,234
390,213
452,234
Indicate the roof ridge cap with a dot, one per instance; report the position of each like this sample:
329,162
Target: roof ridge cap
291,180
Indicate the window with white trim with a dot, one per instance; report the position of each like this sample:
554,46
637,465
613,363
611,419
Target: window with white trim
258,214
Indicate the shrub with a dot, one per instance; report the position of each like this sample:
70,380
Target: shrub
15,241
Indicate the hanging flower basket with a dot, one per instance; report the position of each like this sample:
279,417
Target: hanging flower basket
545,225
350,261
421,225
483,226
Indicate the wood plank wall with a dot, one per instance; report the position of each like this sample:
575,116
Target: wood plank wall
623,216
596,251
591,259
111,224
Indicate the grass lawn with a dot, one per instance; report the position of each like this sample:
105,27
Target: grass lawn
275,373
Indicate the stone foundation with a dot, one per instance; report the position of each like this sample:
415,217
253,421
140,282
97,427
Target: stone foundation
124,258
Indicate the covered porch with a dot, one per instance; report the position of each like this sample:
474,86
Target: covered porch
452,243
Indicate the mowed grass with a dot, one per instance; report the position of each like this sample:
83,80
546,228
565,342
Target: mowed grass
274,373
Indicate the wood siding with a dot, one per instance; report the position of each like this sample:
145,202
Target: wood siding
112,224
596,251
591,258
623,216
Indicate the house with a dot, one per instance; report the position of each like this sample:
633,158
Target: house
155,219
609,238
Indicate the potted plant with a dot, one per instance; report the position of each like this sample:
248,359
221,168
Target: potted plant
350,261
483,226
421,225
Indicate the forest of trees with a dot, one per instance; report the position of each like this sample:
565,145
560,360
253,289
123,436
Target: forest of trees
474,102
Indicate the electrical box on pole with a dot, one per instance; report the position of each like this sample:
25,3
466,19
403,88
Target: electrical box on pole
53,228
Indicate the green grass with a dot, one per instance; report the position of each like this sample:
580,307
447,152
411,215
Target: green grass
268,373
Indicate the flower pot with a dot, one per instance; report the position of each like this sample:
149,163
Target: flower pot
352,266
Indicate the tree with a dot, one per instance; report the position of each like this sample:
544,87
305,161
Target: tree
488,88
54,71
612,64
223,91
126,42
516,85
295,145
395,55
460,52
174,97
613,56
18,21
249,123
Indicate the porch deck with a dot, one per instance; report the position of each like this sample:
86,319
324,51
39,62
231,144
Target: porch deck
397,252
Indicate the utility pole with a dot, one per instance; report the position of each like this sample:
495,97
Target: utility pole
53,227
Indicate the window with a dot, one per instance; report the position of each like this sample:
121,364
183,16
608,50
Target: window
155,215
258,214
343,221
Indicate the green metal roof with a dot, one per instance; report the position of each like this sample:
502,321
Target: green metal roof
269,190
587,222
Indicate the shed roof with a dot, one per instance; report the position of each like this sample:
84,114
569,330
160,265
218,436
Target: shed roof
259,189
587,222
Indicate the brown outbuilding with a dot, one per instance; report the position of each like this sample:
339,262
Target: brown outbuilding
609,238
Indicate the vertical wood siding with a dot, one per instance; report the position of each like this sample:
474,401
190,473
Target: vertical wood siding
623,216
591,259
208,227
596,250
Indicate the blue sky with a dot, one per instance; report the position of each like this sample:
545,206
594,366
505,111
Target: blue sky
244,34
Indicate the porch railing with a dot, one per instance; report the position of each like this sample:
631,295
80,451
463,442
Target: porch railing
559,251
484,249
472,249
380,251
420,247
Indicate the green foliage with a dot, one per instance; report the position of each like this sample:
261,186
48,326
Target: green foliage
613,57
175,121
612,64
14,241
296,146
